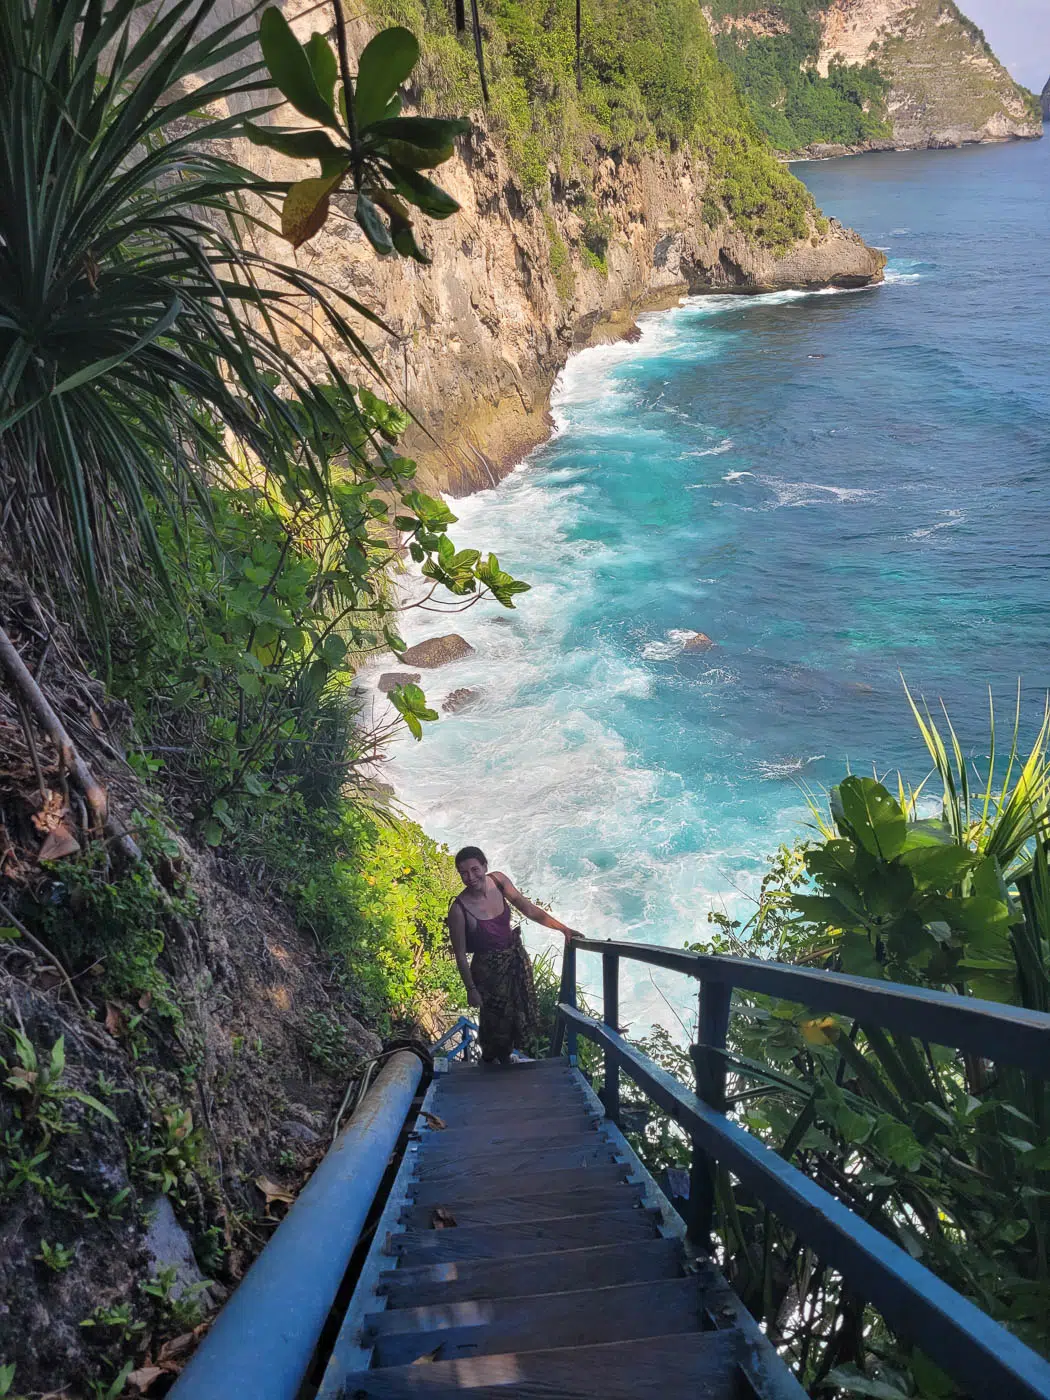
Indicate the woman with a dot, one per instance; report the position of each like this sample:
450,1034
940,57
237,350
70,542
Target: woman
498,978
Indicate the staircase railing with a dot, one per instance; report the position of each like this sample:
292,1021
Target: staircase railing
965,1342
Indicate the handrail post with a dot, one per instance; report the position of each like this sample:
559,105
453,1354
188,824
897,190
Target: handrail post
611,1016
709,1065
567,995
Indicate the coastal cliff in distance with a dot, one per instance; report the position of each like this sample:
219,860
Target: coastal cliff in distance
1044,101
579,208
824,77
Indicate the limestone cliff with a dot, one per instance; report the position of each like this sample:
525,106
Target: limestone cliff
947,88
1044,101
483,332
943,84
480,335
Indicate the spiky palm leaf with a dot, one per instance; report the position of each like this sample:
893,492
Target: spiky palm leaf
141,346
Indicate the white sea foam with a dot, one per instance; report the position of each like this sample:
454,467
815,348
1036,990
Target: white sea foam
770,770
735,476
895,277
952,518
674,643
810,493
725,446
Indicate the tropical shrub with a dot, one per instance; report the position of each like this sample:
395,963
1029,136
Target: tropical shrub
947,1153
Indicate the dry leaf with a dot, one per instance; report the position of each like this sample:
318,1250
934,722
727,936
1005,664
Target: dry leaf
273,1192
442,1219
52,810
114,1020
174,1351
430,1356
143,1378
145,1001
96,722
58,842
433,1121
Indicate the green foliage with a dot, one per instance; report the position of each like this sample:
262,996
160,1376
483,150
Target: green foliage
329,1046
171,1159
115,919
377,153
56,1257
374,892
792,105
651,79
946,1153
37,1082
139,353
561,262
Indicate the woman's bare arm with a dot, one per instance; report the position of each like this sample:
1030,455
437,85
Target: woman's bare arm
457,928
525,906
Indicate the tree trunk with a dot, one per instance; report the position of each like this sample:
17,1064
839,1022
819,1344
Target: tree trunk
26,688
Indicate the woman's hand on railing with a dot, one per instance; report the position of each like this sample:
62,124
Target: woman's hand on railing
571,933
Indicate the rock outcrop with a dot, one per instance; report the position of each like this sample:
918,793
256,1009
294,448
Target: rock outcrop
481,334
438,651
946,86
390,679
1044,101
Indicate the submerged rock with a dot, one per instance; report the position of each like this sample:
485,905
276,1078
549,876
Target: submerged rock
700,641
460,700
389,679
438,651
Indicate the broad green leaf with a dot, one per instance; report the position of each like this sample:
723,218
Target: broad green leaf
8,935
290,68
819,909
385,63
299,145
423,193
322,60
403,154
938,867
306,206
426,133
897,1142
865,810
375,230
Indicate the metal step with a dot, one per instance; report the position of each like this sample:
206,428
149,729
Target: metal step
574,1150
702,1366
538,1183
568,1269
479,1134
535,1322
544,1236
484,1209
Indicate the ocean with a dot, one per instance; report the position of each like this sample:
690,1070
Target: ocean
838,488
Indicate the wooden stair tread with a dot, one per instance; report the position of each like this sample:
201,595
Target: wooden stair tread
537,1183
700,1366
535,1322
542,1236
569,1269
479,1133
573,1149
483,1209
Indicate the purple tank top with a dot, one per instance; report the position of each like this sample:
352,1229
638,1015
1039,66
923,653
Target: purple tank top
489,935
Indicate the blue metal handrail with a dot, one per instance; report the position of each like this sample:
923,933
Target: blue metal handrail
965,1342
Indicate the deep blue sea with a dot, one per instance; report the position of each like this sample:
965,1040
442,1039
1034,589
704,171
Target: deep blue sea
838,488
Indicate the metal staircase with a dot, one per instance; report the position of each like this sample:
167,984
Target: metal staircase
533,1256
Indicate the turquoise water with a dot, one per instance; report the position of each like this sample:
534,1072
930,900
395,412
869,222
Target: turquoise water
835,487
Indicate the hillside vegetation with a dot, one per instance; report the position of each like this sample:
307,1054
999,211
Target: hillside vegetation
649,79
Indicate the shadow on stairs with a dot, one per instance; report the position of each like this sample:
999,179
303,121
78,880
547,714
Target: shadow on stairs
524,1251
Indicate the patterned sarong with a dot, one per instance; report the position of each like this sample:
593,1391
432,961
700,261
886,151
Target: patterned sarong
509,1014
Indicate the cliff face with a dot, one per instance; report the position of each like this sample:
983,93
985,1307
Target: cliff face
947,88
942,85
1044,101
482,333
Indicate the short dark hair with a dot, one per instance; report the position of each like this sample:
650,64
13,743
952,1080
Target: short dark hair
471,853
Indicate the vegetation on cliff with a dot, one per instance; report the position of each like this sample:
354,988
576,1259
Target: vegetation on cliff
791,103
202,889
927,74
946,1153
649,79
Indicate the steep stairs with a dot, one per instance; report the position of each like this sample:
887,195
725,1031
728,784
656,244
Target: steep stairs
528,1254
